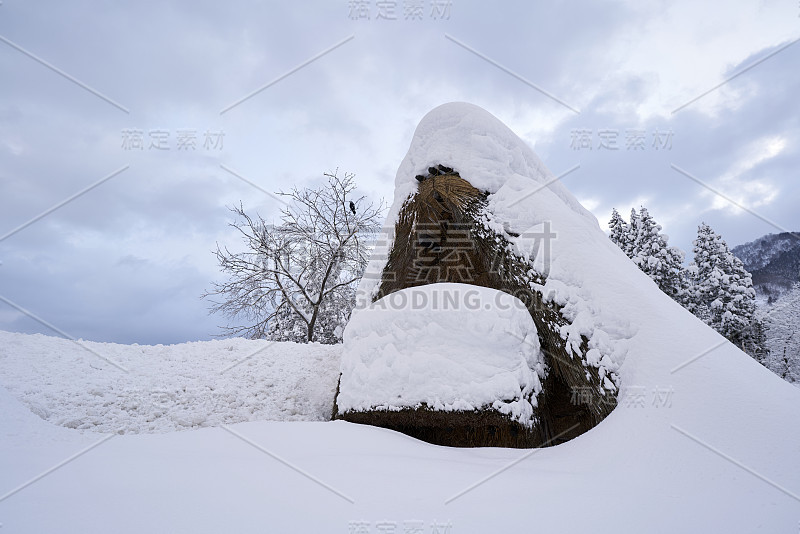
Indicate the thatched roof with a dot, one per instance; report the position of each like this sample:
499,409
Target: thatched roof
441,235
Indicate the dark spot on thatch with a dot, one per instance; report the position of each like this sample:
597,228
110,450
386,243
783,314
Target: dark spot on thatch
426,241
433,171
420,178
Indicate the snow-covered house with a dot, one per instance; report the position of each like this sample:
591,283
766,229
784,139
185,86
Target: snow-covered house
519,357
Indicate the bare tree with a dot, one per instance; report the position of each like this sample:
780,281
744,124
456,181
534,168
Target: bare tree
296,280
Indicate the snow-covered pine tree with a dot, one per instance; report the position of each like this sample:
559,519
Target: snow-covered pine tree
754,339
652,254
649,250
721,292
632,235
782,325
619,230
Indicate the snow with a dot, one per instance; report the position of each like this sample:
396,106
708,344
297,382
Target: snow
758,254
641,470
704,439
562,239
487,154
445,346
167,388
484,149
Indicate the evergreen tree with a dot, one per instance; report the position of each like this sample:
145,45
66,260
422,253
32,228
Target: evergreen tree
632,235
649,250
651,253
721,291
716,287
782,324
755,341
619,230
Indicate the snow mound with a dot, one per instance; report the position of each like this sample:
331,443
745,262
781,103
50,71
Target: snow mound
444,346
485,150
167,388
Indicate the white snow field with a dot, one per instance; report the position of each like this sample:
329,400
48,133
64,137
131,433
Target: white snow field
704,438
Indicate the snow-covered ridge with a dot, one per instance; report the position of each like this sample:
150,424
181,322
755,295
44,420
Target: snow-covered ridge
774,262
759,253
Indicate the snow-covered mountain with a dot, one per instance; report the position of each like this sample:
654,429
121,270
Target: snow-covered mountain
703,438
774,262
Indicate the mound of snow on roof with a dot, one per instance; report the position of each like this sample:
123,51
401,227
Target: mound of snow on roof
447,346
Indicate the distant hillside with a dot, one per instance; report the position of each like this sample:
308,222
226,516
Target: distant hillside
774,261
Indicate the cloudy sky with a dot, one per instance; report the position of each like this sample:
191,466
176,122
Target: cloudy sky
276,94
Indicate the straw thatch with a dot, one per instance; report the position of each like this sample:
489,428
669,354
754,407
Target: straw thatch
440,236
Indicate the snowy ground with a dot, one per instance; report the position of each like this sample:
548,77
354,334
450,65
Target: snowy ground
718,452
168,388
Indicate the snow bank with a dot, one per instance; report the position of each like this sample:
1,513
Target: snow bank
445,346
173,387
